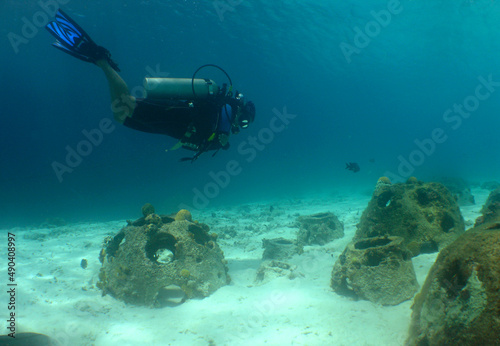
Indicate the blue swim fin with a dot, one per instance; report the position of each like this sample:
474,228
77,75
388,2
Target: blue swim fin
73,40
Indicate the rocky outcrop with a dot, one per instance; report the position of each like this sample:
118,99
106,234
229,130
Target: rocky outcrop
459,303
425,215
491,209
459,188
280,249
378,269
319,229
156,260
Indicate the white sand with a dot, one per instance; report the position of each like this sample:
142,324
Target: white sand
55,296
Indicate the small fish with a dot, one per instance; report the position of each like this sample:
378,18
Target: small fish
84,263
352,166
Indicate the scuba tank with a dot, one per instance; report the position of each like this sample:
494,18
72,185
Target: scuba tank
180,88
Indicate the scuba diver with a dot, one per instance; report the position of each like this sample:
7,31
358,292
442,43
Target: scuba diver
196,111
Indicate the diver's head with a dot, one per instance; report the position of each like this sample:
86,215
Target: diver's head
247,115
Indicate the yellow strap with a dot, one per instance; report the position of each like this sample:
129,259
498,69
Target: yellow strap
177,145
211,138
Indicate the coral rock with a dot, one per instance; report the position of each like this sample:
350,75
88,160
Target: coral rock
459,303
491,209
425,214
141,266
377,269
460,189
147,209
490,185
412,180
183,214
280,248
154,219
319,229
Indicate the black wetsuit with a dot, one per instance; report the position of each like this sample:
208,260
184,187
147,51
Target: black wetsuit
175,118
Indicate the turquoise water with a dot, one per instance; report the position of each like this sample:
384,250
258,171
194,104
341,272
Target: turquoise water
402,88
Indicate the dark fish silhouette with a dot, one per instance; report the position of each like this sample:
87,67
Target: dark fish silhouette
352,166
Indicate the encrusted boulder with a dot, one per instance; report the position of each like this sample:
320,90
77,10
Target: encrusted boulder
147,209
459,303
459,188
491,209
319,229
155,261
377,269
280,249
426,215
490,185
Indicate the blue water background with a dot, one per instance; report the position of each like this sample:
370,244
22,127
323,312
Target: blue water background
280,54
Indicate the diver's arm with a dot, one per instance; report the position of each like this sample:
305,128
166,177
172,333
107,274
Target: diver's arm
122,103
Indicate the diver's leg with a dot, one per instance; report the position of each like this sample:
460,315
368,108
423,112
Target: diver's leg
122,103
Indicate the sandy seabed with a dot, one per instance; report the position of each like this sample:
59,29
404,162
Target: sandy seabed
57,297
